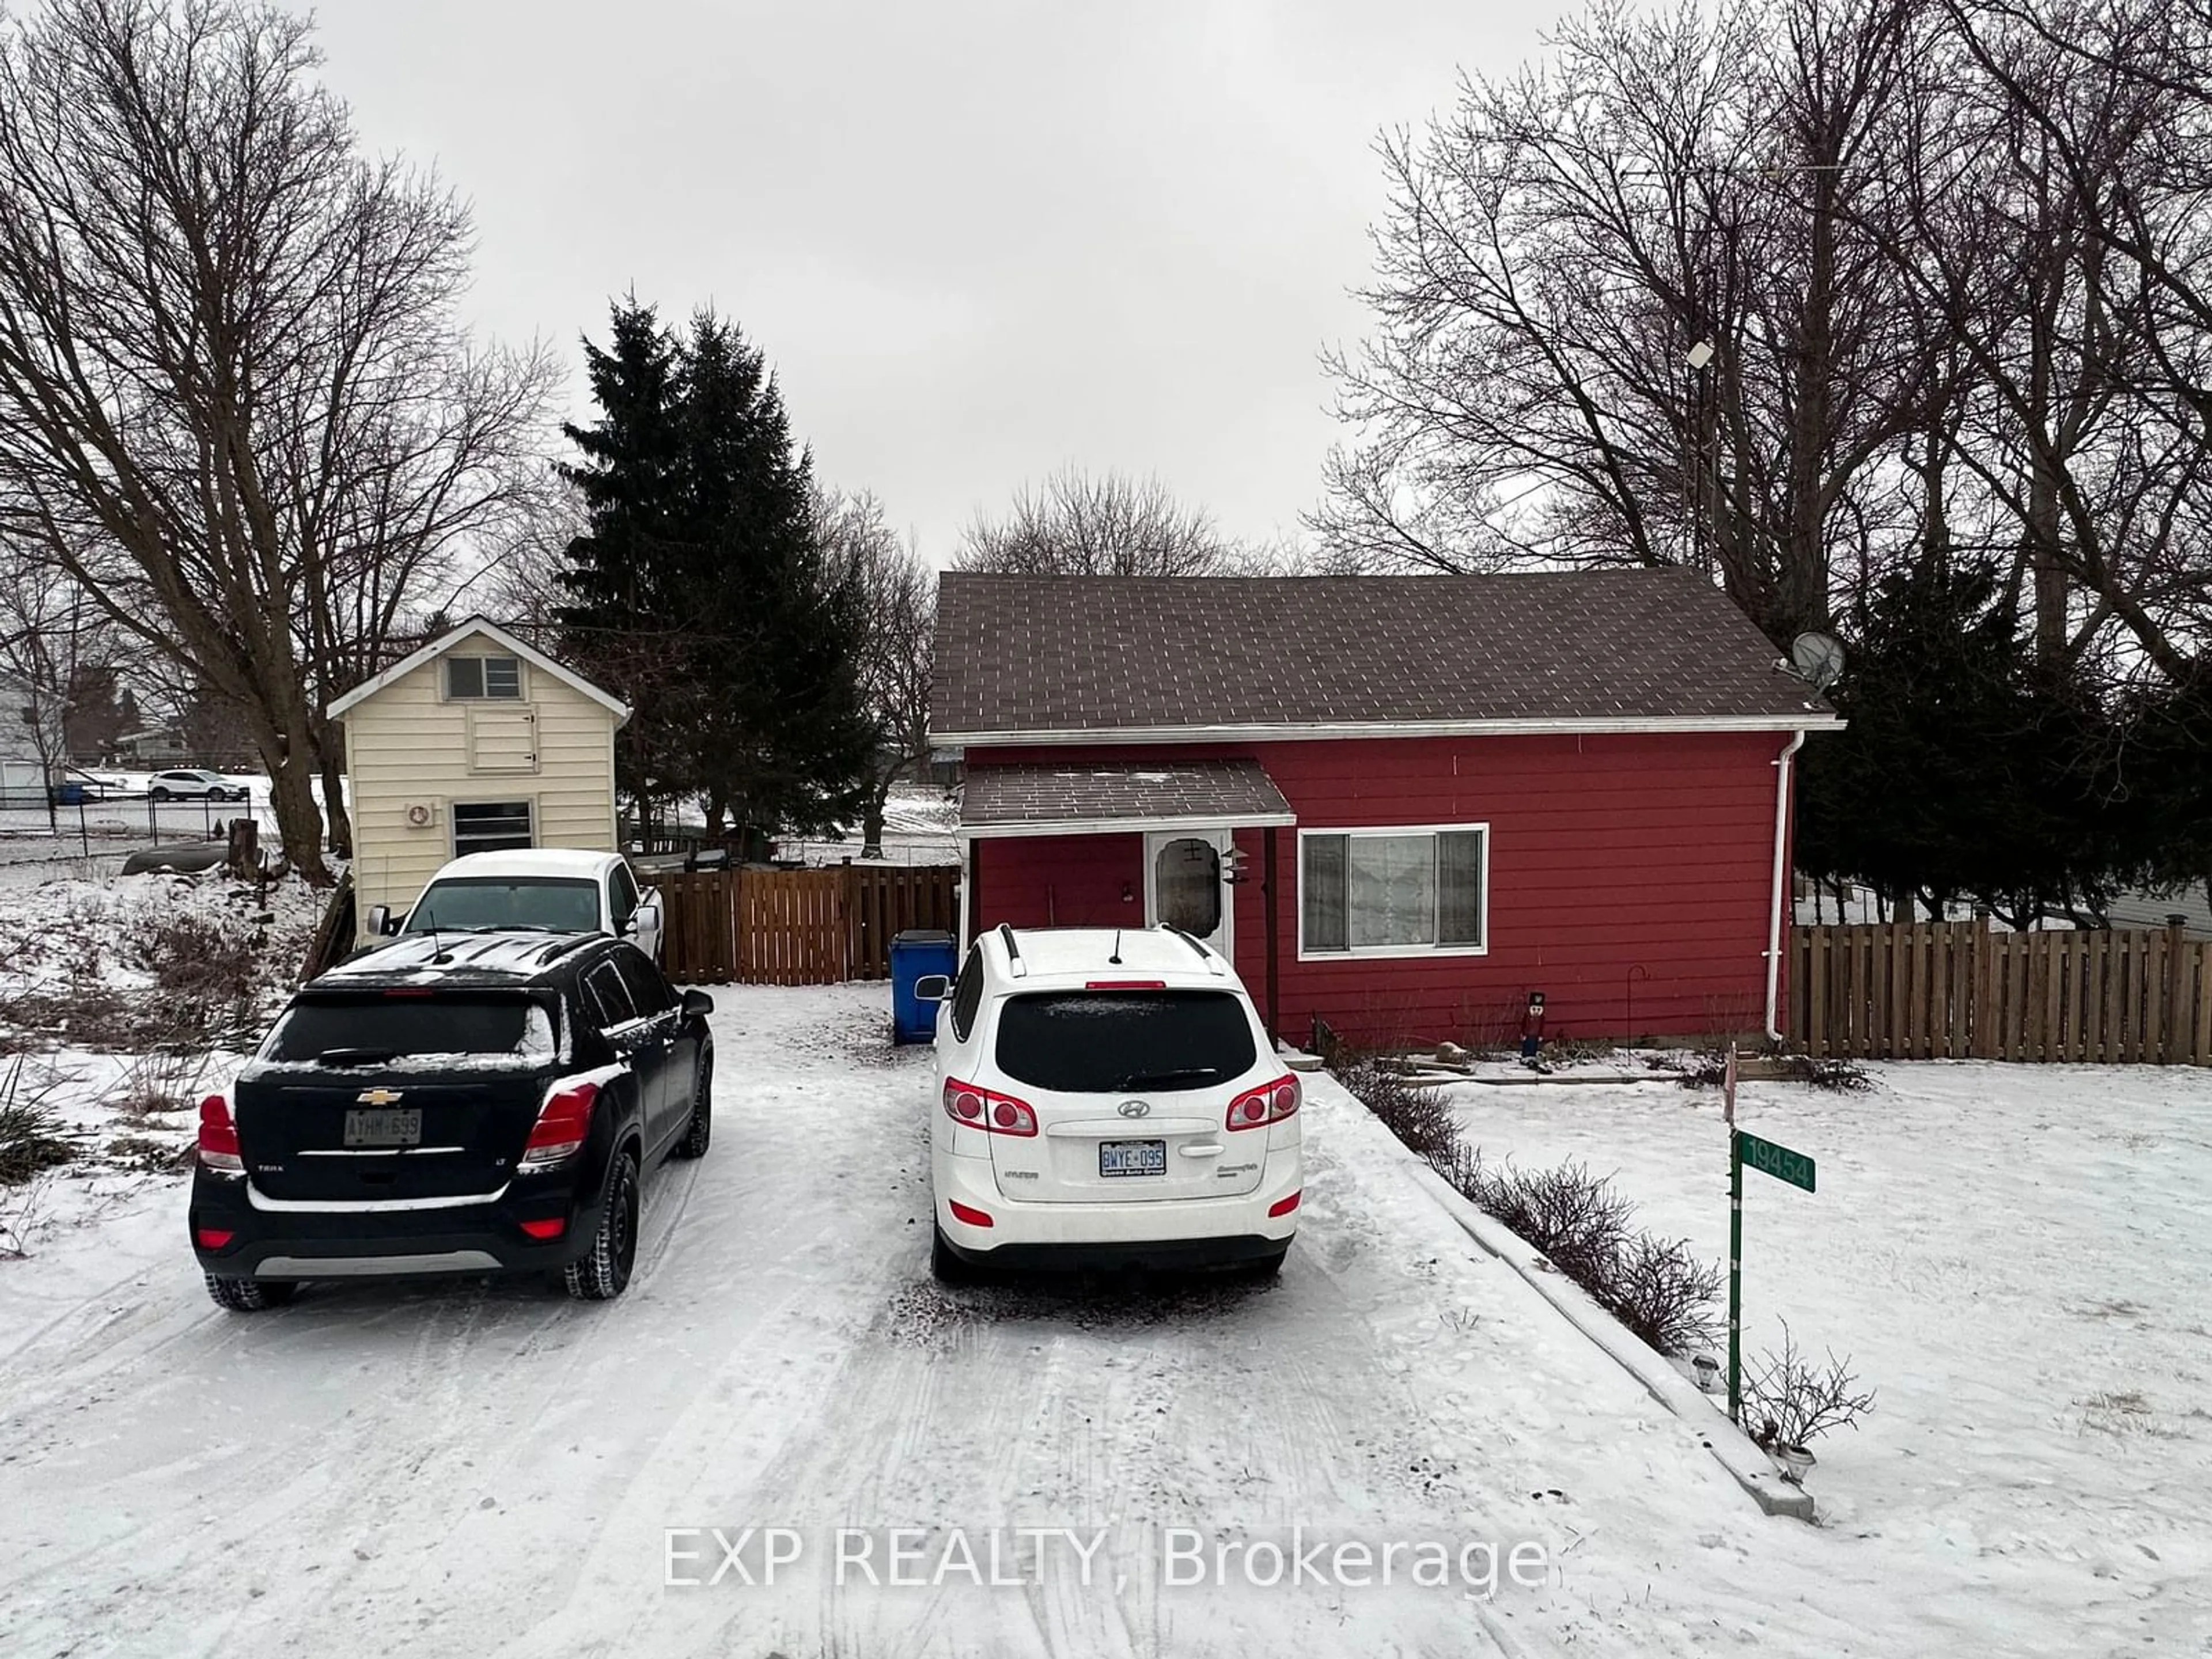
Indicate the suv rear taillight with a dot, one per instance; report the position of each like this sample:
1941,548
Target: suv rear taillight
1271,1103
564,1123
976,1107
219,1137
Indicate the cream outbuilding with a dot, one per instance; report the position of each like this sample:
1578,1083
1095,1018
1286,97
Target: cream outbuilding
475,743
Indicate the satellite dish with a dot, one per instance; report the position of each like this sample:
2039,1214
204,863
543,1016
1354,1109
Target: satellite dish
1818,658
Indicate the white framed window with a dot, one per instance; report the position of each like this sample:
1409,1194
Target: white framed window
475,679
1404,890
491,826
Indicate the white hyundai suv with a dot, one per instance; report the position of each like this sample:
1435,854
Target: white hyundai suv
1107,1097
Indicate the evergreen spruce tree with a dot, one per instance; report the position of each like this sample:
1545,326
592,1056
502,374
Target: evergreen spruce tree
701,575
620,619
784,736
2162,779
1968,770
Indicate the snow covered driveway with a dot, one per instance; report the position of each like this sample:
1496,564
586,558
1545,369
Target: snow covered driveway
481,1468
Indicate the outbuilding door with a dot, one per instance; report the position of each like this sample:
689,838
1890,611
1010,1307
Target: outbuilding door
1184,885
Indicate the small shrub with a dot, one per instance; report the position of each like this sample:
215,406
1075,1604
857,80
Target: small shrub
1578,1051
1496,1029
1790,1398
1663,1293
1583,1223
1586,1229
1419,1117
165,1078
194,955
31,1138
1576,1218
1709,1070
22,1209
1838,1074
146,1154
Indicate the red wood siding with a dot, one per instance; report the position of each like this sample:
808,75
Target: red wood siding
1629,880
1066,881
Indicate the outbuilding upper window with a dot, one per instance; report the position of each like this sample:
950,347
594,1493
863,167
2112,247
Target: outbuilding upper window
474,679
1394,891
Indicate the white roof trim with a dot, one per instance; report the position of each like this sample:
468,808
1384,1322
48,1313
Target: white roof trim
499,637
1116,826
1808,721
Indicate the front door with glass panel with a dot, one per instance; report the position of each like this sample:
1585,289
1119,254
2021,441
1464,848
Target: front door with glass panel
1184,885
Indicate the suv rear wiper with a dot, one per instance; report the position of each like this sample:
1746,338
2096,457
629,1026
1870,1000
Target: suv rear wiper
1139,1080
356,1056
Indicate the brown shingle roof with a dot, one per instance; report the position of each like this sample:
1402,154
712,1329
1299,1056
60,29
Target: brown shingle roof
1027,654
1003,798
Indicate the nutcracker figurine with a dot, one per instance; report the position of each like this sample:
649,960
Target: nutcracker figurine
1532,1029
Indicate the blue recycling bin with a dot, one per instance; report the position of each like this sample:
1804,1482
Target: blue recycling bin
914,953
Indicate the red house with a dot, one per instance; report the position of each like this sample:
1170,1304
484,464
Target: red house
1398,804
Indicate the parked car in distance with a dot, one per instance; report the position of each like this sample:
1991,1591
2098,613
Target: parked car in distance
73,787
97,784
1107,1097
549,889
454,1105
193,784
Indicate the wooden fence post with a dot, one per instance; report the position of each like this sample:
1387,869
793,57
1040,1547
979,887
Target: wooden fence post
1819,1038
2201,1049
2177,1012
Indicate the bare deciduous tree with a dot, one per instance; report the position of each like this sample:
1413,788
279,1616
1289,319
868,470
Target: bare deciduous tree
1626,314
235,406
517,583
1077,523
898,594
53,638
2083,297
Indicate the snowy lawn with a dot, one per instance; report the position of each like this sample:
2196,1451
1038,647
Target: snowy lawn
480,1466
122,998
2016,1259
918,823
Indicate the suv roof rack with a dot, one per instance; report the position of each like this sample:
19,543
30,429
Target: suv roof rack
1210,958
562,947
1015,966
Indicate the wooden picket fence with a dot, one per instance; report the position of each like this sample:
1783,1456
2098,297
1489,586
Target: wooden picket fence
797,927
882,903
1960,990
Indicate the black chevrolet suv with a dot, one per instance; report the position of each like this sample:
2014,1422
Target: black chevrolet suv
454,1103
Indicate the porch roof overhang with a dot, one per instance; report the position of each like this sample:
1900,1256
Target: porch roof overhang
1107,799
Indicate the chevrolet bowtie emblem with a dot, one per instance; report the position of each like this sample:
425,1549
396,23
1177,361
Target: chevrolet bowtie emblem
379,1096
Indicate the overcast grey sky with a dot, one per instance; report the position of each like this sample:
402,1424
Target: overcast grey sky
978,241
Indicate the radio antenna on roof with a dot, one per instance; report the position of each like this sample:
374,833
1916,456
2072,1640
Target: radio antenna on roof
1116,958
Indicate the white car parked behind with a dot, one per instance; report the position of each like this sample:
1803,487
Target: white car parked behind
192,783
1107,1097
550,889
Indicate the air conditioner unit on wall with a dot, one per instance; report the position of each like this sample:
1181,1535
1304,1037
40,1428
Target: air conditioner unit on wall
419,814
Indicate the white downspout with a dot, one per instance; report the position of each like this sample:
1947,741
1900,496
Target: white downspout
967,891
1781,883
